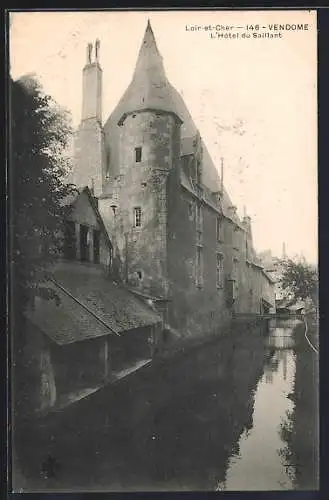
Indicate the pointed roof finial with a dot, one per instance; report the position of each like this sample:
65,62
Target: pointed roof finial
149,88
149,41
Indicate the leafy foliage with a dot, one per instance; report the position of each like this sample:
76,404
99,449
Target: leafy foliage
39,134
299,279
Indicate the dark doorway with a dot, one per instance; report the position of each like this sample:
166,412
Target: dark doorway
96,245
69,240
84,248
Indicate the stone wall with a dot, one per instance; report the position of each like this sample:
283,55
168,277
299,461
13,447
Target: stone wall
195,308
89,156
142,250
252,287
40,371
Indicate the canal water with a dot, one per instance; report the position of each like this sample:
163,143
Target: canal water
223,417
260,447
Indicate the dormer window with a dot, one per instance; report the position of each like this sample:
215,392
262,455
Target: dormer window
138,154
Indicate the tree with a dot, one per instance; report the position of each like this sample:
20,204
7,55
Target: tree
39,134
38,163
299,279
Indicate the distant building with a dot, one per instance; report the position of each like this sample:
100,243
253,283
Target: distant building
274,268
175,232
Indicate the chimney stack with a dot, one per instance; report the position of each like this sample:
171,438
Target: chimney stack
92,85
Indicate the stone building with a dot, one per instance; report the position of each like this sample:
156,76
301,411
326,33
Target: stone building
175,232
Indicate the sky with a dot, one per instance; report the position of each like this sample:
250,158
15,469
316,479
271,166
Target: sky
254,100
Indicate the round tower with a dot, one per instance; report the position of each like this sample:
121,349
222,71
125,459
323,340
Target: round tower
149,153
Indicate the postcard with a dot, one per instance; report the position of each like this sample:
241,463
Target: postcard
163,250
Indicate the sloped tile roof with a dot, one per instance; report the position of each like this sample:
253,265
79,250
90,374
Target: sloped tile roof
66,322
91,306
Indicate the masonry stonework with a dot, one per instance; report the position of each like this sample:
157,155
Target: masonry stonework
148,158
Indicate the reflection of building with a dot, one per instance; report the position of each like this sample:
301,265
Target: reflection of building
159,424
273,362
173,226
281,337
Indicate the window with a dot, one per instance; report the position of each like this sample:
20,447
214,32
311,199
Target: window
138,155
219,270
219,229
236,238
137,217
235,268
199,266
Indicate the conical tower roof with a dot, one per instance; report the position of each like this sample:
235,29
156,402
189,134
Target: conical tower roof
149,88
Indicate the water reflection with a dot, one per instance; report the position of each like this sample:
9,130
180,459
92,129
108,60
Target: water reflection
211,420
259,466
300,429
